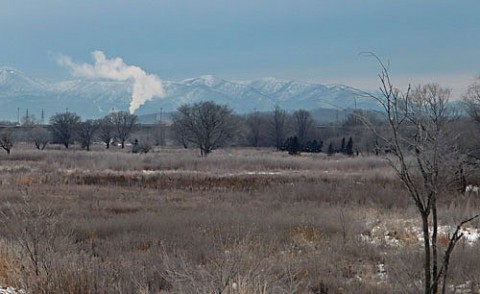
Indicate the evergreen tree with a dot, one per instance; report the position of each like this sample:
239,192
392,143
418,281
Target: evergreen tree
349,147
331,149
314,146
294,146
308,147
342,149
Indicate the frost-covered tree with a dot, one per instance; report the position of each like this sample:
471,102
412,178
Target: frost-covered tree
124,123
205,125
63,126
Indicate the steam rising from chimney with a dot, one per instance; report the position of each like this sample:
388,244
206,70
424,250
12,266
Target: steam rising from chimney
145,86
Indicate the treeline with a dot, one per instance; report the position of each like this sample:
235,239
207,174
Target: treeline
67,128
206,126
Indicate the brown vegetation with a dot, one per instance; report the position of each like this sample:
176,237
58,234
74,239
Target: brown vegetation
238,221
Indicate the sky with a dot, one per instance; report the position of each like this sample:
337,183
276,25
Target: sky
310,40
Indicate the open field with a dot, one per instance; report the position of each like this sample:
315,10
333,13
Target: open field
238,221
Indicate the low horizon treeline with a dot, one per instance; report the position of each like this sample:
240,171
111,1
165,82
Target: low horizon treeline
293,132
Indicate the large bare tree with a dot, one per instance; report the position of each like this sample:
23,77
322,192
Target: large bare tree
106,130
205,125
472,101
6,140
86,131
256,124
303,123
40,136
63,126
278,126
422,151
124,123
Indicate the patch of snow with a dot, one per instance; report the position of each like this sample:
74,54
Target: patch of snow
382,272
262,173
11,290
471,235
472,189
403,232
148,172
465,288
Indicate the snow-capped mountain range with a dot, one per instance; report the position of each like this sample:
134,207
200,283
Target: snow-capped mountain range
95,98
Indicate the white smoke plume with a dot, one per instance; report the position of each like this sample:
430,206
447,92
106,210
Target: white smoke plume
145,86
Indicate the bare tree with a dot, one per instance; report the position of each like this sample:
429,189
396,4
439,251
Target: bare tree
124,123
179,131
256,123
86,131
40,137
63,126
205,125
6,140
422,150
106,130
278,126
472,101
303,124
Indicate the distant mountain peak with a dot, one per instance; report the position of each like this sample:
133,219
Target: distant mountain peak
92,98
9,72
207,80
13,80
8,69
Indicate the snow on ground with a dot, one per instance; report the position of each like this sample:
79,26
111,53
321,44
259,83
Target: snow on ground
241,173
397,233
167,172
408,232
382,272
10,290
465,288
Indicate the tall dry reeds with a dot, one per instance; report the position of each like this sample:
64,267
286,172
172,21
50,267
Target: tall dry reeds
238,221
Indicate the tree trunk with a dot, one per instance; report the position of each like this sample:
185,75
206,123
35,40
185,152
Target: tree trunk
434,245
427,260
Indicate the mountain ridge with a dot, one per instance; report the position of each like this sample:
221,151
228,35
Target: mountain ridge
95,98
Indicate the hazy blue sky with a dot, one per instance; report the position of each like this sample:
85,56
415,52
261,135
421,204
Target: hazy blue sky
311,40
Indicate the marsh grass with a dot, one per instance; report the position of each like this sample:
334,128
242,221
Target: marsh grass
238,221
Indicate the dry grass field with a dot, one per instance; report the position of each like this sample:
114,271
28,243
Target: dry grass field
239,221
